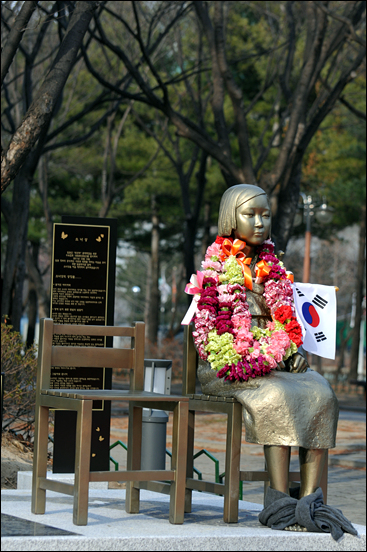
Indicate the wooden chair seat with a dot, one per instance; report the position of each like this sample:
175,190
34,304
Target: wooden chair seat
81,401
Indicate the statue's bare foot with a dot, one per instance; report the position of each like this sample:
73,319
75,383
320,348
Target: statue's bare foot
295,527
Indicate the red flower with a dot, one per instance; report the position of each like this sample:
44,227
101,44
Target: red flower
294,331
283,313
220,239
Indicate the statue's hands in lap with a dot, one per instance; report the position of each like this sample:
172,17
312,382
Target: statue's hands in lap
297,364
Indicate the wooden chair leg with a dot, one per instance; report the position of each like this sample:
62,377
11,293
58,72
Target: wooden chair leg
232,470
133,457
179,462
40,459
82,462
190,458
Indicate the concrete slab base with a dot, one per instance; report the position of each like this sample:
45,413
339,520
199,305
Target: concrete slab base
111,528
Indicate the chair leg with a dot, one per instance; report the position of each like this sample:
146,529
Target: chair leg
190,458
324,477
179,462
82,462
133,457
232,470
40,459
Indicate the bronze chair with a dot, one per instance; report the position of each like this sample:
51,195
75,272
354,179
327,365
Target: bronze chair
233,474
81,402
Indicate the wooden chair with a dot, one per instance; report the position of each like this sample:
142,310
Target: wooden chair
233,474
81,402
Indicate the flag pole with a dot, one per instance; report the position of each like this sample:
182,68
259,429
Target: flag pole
307,258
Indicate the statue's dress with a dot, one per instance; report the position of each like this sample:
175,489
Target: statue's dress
279,408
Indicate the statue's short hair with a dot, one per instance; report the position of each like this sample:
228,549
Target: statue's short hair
231,199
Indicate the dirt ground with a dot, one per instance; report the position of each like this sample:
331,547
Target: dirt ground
16,456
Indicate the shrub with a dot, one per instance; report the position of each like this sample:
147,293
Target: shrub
19,366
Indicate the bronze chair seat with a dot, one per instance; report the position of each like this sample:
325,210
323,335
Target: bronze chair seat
81,401
233,409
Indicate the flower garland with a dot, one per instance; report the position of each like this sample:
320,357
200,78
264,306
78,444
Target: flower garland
223,333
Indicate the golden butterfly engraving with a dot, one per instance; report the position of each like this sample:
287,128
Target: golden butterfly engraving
63,235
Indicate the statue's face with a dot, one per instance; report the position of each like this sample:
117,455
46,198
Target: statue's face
253,220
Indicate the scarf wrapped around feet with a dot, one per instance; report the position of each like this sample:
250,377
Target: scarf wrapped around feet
282,510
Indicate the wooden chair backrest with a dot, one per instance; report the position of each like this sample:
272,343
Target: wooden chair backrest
90,357
190,362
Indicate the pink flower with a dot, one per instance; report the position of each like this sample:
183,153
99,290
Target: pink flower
222,288
224,308
209,273
213,250
279,343
272,362
215,265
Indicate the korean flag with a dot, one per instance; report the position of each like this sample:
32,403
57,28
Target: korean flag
316,312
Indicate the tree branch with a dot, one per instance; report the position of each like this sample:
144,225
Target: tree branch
353,109
315,34
217,101
321,6
15,36
235,94
40,112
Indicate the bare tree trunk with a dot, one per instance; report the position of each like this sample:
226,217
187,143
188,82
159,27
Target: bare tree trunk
174,301
153,318
36,279
192,217
359,297
32,312
40,111
206,235
12,296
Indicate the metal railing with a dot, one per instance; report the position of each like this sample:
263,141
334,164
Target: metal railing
218,477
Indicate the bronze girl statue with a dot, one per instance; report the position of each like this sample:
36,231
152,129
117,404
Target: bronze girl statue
248,339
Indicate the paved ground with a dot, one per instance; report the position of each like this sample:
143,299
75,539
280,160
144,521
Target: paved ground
347,462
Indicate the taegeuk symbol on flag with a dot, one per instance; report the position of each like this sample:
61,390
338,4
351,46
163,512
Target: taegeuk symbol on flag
316,312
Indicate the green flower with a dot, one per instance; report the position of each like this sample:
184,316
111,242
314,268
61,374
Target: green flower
221,350
260,332
233,272
278,326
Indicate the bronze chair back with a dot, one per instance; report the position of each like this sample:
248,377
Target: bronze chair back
81,401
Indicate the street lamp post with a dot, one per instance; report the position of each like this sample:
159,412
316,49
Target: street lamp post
324,215
308,212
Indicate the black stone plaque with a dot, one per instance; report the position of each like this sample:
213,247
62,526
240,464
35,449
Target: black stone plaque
82,292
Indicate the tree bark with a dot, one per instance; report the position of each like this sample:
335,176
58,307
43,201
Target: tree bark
153,317
12,295
36,278
359,297
32,295
40,111
15,36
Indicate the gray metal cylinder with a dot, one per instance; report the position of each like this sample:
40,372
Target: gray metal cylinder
153,444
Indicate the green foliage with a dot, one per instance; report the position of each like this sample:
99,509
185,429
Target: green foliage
20,369
335,169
